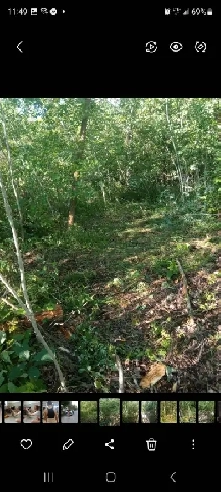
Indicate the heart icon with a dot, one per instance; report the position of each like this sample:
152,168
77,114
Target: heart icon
26,443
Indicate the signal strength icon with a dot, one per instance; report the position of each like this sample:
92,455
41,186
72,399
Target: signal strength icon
186,12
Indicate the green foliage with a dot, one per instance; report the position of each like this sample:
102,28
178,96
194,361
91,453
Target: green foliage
130,412
167,268
149,409
208,301
89,412
148,184
20,364
92,355
168,412
187,411
205,411
109,411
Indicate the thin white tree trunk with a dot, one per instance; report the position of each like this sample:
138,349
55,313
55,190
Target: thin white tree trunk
176,160
27,307
11,167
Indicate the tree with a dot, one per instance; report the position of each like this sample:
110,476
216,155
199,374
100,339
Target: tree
78,158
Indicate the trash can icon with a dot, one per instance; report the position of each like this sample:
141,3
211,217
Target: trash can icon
151,444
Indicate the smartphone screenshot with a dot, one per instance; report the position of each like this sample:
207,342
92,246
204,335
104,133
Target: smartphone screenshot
109,246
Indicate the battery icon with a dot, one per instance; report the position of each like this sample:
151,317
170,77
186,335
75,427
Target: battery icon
209,12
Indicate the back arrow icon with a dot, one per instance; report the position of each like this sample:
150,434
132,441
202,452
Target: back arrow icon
19,45
174,473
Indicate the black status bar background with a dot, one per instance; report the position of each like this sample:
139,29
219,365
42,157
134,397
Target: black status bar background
108,53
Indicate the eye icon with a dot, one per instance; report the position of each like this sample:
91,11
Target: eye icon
176,46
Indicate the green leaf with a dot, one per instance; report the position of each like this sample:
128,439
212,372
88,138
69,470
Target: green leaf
34,372
20,311
18,337
12,388
27,334
2,337
169,371
22,350
4,388
37,386
15,372
24,355
5,356
26,388
17,347
161,353
49,306
2,377
42,356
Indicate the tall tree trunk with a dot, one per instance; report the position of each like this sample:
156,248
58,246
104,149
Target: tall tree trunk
10,166
80,152
73,200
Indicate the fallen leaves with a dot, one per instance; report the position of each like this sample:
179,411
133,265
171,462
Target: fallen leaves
156,372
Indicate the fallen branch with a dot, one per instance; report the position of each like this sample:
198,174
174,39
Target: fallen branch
198,357
185,291
136,384
9,304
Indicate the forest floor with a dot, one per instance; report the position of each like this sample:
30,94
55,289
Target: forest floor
119,289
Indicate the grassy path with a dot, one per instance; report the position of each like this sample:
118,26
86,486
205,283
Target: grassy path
124,266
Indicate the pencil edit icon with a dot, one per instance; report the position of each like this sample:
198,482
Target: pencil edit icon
68,444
